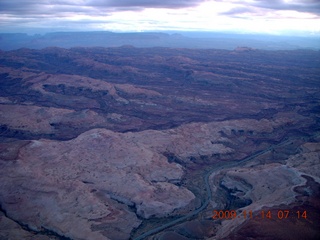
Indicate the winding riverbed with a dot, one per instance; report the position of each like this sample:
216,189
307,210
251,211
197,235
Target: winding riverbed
208,190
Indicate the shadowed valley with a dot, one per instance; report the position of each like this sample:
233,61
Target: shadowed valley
133,143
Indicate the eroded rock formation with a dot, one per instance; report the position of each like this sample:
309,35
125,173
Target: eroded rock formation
104,143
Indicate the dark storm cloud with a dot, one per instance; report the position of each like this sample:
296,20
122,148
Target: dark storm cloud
33,7
12,7
87,6
103,7
71,13
237,10
146,3
311,6
308,6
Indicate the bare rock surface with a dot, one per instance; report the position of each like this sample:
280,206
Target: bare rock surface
307,162
11,230
110,143
98,176
268,186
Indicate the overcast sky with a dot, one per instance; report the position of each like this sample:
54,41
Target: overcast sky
257,16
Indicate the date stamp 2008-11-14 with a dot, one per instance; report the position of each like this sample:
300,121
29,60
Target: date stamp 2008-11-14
280,214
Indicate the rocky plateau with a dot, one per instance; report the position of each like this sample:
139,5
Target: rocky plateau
122,143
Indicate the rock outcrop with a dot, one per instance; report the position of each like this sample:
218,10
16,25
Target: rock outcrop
100,143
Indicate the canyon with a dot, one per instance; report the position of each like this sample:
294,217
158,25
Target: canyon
145,143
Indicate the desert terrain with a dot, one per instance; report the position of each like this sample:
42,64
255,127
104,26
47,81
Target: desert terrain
147,143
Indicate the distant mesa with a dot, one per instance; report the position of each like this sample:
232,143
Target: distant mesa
174,39
127,46
244,49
